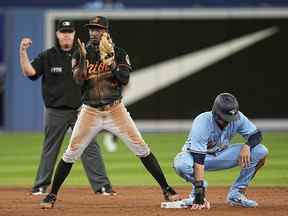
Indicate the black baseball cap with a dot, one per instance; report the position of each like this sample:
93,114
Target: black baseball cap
98,21
226,107
65,26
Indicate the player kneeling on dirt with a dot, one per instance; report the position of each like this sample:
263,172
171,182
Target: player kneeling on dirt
207,148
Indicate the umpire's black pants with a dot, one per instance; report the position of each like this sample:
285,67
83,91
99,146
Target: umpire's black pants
57,122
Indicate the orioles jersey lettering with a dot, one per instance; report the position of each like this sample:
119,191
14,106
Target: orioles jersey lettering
97,68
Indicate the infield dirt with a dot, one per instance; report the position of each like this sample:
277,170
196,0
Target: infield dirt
137,201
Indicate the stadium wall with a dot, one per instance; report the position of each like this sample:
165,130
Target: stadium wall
23,105
182,59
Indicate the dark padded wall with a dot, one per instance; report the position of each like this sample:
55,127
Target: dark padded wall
256,75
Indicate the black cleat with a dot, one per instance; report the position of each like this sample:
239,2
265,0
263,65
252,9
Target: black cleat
170,194
40,191
106,190
48,201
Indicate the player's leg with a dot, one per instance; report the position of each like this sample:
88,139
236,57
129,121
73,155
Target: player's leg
121,124
56,124
236,194
257,159
95,169
229,158
183,165
94,166
86,128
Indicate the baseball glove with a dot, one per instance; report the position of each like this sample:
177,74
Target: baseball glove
106,48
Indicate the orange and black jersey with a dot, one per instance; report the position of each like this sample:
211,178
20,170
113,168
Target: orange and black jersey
102,85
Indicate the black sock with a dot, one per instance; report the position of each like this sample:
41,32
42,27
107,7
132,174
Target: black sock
152,165
62,171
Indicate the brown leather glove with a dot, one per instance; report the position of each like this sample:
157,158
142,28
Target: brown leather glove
106,48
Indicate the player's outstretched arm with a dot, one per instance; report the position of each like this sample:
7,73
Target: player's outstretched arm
200,201
26,67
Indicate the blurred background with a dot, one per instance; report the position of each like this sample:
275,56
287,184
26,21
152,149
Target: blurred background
183,52
241,47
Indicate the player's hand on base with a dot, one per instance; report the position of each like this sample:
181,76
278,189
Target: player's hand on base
25,43
206,205
200,202
244,159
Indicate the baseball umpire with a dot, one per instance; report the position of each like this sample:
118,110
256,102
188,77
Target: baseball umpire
207,148
62,99
104,69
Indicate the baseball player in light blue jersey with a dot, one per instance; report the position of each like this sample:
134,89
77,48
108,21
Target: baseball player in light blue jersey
208,149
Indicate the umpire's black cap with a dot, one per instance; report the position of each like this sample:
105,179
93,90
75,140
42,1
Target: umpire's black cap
65,26
226,107
98,21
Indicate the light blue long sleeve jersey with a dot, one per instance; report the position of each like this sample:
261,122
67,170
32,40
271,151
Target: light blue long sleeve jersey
207,137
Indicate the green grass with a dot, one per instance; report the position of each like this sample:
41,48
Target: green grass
20,153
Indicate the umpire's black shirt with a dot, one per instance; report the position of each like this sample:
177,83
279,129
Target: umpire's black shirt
59,90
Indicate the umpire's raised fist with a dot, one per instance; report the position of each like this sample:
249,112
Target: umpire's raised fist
25,43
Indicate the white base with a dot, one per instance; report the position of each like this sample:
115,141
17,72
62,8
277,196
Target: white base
176,204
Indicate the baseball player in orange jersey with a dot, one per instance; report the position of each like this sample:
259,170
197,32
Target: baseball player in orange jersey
103,69
62,98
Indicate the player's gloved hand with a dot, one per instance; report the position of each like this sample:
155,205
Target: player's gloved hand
200,202
106,48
